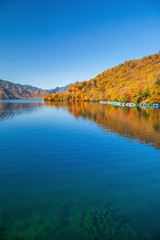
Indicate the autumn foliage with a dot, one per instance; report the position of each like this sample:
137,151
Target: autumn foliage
136,81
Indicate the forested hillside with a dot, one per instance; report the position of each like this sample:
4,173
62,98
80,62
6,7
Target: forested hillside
133,81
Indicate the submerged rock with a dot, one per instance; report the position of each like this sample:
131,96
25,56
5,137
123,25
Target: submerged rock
103,224
93,224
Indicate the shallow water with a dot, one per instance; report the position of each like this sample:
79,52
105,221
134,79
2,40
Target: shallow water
78,171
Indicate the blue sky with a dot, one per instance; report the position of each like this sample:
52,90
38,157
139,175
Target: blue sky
52,43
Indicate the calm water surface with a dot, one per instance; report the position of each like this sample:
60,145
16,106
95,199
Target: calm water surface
78,171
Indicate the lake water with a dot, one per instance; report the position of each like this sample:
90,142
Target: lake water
78,171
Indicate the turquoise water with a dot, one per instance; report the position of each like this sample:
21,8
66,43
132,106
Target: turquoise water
78,171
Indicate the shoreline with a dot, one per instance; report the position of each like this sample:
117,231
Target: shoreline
119,104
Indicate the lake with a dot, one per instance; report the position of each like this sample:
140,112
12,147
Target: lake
73,171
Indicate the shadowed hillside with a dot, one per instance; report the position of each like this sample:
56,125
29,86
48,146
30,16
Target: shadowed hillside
10,90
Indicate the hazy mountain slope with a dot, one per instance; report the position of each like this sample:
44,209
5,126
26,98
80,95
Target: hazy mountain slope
133,81
60,89
9,90
64,89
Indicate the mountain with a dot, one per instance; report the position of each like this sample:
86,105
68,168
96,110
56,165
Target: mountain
133,81
60,89
9,90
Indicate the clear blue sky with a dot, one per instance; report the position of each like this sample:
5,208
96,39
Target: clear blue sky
52,43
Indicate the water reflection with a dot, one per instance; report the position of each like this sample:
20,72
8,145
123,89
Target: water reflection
134,123
57,182
12,109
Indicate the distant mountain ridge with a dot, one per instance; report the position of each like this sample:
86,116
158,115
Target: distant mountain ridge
9,90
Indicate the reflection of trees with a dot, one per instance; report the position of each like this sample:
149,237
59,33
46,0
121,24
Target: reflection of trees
10,110
133,123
